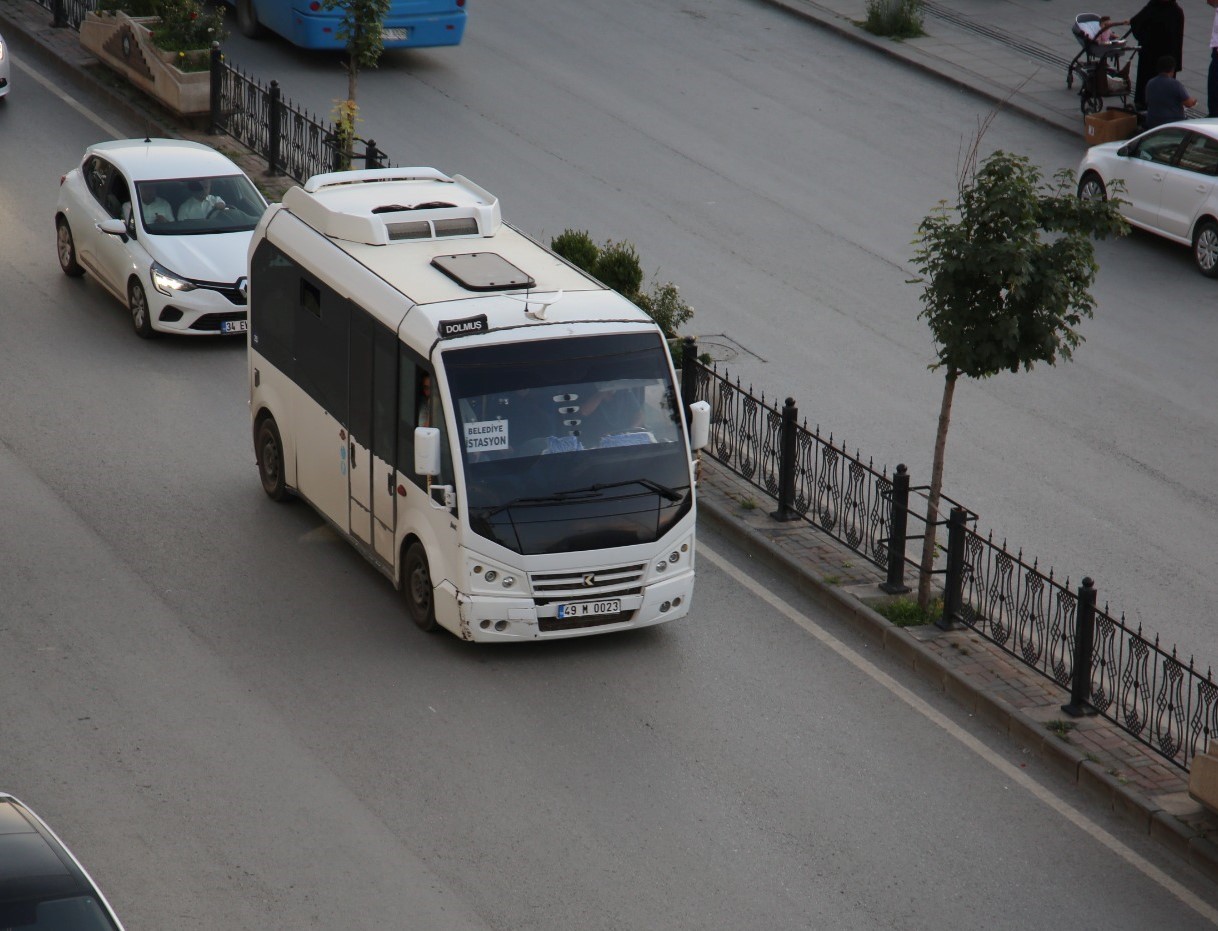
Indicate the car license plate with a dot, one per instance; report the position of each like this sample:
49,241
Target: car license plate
590,608
234,326
395,35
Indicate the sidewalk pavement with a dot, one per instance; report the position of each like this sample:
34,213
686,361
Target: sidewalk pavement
1015,51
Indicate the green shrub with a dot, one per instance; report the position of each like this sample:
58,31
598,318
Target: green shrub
900,19
904,612
577,247
186,25
664,304
618,267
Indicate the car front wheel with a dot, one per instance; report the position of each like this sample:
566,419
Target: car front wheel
417,589
66,247
1205,248
1091,188
141,315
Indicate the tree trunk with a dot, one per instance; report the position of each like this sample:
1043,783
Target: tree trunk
936,489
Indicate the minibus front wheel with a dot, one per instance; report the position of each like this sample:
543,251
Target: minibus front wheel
417,589
268,449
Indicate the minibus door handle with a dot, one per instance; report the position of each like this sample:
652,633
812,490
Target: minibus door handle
351,447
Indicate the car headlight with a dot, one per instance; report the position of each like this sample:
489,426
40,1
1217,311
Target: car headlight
167,282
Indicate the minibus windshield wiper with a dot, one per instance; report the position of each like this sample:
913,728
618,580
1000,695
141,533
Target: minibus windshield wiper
561,497
663,491
586,494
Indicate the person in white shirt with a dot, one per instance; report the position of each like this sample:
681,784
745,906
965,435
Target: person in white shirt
154,208
201,202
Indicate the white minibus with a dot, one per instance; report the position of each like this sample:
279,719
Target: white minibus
496,431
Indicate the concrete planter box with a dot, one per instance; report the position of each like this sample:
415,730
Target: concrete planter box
124,44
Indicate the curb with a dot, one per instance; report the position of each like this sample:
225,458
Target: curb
1007,99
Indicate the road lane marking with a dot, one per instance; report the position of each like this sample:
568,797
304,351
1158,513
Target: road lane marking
70,101
1008,769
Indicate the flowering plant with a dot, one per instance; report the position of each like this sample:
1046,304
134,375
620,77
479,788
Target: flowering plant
185,26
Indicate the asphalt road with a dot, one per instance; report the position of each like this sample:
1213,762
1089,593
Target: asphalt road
778,174
225,712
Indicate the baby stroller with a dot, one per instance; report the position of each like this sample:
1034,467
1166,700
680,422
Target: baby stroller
1102,68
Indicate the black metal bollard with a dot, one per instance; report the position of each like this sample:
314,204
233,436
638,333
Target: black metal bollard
895,583
372,157
59,15
1084,646
217,62
953,580
274,131
786,463
689,374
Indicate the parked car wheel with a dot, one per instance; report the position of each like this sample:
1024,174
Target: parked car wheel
1205,248
66,247
1091,188
268,449
417,590
141,316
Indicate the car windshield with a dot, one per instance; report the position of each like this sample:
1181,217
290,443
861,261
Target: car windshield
570,444
190,206
74,913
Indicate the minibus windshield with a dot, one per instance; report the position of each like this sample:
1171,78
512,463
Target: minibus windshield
570,444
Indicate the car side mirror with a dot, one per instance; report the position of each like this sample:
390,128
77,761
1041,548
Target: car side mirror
113,228
1123,151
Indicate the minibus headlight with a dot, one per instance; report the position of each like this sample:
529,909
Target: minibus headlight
167,282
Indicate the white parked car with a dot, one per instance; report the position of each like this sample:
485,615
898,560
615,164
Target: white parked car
1170,180
164,225
5,69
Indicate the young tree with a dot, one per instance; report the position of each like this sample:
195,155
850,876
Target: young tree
360,28
1006,277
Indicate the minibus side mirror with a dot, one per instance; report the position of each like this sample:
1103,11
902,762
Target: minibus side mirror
426,451
699,424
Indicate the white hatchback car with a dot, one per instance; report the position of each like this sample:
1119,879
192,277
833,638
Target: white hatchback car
164,225
5,69
1170,180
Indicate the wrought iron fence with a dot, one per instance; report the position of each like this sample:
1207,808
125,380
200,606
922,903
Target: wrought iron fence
835,491
1153,695
68,12
1149,693
292,140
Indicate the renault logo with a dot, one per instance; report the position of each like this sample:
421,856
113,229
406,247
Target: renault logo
589,580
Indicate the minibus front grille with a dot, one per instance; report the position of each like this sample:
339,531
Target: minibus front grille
587,585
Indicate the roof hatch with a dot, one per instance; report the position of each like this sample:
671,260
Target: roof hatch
483,271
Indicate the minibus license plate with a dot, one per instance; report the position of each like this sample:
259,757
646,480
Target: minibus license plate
590,608
395,35
233,326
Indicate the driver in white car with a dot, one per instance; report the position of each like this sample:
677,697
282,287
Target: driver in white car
201,202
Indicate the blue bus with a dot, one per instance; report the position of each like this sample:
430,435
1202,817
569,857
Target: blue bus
409,23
